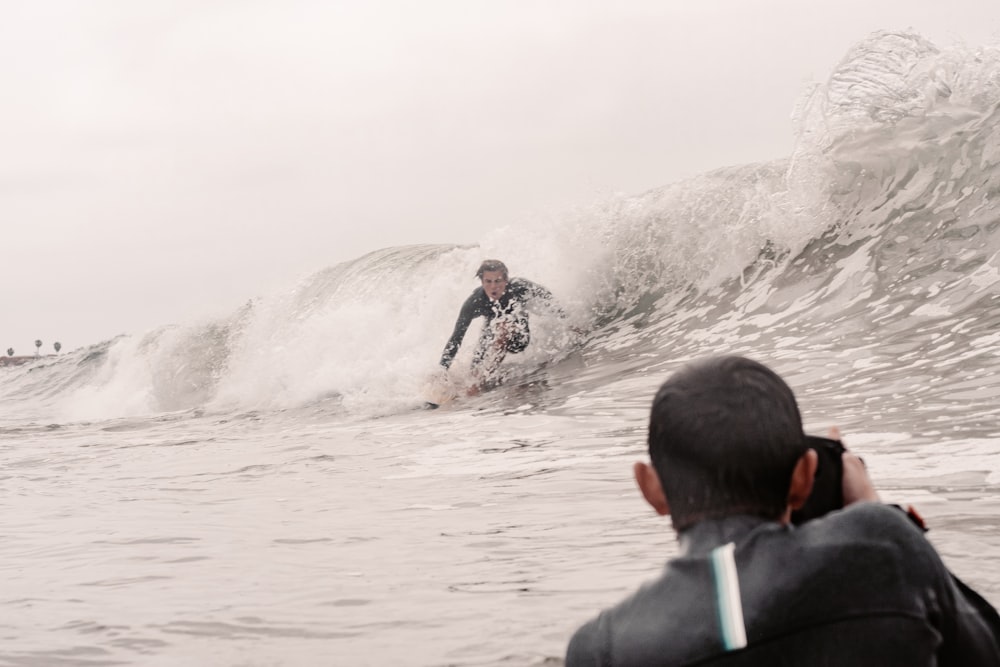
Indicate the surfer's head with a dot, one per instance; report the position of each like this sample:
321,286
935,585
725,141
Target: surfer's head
492,265
493,274
725,436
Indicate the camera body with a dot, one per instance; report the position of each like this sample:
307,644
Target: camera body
827,493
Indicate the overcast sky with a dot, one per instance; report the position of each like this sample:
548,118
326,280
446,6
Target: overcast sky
166,160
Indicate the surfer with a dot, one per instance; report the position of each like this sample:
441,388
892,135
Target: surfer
504,302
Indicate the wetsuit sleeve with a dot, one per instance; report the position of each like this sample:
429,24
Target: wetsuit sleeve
970,627
465,317
587,648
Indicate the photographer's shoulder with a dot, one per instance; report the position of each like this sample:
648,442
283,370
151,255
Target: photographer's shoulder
883,522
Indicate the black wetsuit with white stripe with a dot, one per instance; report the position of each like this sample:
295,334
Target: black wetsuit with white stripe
511,307
860,587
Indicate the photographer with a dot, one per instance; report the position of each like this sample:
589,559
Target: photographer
858,587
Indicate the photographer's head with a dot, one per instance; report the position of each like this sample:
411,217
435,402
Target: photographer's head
725,438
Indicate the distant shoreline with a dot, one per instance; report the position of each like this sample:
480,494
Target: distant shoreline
17,361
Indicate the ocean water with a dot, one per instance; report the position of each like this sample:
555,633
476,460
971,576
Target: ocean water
266,489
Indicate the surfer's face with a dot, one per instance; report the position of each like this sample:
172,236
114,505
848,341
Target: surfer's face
494,284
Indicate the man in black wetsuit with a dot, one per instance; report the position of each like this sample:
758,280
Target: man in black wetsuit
504,302
857,587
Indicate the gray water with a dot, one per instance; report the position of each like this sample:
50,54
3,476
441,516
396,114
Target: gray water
476,535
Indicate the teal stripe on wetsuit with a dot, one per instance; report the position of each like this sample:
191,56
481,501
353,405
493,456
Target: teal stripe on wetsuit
727,597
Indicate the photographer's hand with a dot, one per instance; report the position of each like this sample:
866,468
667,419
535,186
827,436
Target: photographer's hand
856,484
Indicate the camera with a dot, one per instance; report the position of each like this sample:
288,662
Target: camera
827,493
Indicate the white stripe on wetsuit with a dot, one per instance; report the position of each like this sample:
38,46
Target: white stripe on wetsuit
727,597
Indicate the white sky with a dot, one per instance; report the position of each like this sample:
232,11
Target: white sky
166,160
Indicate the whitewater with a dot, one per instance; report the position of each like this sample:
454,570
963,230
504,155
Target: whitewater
265,489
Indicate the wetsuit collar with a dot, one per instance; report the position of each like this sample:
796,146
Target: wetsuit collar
702,537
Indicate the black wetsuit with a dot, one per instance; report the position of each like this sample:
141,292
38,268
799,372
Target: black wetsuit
861,587
511,305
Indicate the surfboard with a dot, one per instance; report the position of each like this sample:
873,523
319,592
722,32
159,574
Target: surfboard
438,391
442,389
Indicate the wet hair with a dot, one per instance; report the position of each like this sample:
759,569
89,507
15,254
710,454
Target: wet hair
725,434
491,265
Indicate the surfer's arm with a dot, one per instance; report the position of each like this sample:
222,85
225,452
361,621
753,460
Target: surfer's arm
465,317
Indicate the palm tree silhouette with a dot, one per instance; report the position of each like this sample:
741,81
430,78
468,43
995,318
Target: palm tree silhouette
58,346
38,347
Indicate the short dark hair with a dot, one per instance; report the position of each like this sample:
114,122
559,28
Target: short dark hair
491,265
725,434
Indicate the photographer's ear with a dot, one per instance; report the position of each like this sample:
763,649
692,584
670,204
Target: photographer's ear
652,490
803,477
